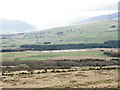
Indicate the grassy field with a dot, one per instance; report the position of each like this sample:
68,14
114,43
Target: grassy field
39,55
74,79
29,69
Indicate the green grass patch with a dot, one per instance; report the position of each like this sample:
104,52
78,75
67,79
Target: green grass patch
12,56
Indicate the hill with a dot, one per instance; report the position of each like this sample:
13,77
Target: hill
13,26
96,32
95,19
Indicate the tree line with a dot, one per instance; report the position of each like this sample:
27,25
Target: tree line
33,47
108,44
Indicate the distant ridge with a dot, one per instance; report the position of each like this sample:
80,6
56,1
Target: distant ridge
97,18
14,26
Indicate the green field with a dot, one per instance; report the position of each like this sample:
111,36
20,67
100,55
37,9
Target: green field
36,55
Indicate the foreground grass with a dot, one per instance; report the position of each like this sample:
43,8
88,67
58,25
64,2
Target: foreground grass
76,79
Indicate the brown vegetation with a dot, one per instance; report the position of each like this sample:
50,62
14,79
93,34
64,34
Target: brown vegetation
55,64
76,79
112,52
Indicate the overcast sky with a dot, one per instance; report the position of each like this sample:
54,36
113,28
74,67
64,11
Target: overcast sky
53,13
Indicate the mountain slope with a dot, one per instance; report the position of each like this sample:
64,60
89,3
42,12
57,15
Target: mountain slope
97,32
97,18
13,26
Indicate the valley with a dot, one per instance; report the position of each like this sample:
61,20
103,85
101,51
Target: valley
76,56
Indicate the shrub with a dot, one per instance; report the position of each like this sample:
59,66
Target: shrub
23,73
57,71
53,70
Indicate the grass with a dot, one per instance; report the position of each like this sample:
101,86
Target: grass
12,56
85,84
61,80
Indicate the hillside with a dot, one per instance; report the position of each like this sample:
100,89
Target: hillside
96,32
95,19
12,26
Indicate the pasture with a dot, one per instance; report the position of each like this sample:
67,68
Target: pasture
49,55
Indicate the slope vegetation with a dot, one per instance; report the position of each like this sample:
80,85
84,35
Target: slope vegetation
97,32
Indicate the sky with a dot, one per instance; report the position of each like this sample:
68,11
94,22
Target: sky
54,13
